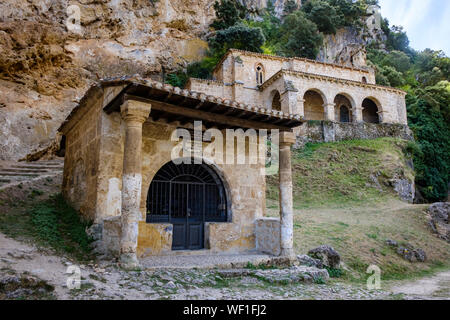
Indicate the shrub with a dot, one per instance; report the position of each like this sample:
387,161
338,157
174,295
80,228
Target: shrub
228,13
300,36
239,36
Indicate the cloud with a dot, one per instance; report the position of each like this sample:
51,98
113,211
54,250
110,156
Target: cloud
425,21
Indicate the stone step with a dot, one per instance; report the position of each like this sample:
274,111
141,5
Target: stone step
23,170
17,174
43,167
5,181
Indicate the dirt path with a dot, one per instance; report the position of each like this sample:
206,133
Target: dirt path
435,287
109,282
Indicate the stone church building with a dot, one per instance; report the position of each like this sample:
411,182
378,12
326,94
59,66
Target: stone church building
119,173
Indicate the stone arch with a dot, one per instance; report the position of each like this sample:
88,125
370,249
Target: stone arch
344,106
275,103
364,80
212,167
260,73
371,110
314,102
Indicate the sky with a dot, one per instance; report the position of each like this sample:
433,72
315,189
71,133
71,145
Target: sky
427,22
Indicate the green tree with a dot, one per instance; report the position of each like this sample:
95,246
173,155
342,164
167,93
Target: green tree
398,40
394,77
432,163
398,60
323,15
239,36
228,13
289,7
300,37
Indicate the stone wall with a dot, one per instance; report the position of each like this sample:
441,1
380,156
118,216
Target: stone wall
81,159
326,131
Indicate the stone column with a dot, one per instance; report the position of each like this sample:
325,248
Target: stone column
134,113
358,115
329,111
287,139
301,107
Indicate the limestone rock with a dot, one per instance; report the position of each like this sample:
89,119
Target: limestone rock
392,243
306,260
329,257
411,254
45,68
439,221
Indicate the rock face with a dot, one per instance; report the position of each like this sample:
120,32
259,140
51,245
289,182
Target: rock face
347,46
329,257
45,67
438,217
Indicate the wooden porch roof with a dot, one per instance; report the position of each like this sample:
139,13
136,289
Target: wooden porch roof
174,104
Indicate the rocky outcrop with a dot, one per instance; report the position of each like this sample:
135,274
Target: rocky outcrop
46,66
347,46
438,219
330,258
306,260
407,251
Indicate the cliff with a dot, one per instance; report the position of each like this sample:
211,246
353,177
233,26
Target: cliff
45,67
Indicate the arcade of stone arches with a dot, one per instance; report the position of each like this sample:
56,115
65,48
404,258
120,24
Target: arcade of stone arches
315,107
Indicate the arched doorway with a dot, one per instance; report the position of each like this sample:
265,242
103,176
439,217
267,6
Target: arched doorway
187,196
313,106
276,103
370,111
343,108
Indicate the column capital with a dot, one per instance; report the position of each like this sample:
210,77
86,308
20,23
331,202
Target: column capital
287,138
135,111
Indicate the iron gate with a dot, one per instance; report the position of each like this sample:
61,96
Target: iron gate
187,196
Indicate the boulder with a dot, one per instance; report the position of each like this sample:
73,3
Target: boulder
327,255
306,260
438,219
411,254
391,243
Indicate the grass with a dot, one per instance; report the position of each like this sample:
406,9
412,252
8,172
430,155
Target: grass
49,223
337,203
341,174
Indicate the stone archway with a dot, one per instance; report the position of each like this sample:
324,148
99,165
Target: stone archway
276,101
370,111
314,105
343,109
187,196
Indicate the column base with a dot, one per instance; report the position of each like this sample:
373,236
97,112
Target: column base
129,261
287,252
